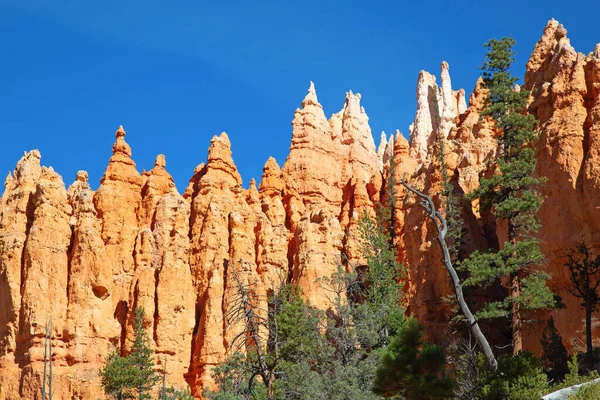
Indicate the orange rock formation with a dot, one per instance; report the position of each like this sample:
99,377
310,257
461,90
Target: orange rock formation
86,259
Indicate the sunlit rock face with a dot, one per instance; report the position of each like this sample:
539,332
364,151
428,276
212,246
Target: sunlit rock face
566,100
86,259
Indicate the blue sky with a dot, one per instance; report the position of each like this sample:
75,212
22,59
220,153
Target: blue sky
174,76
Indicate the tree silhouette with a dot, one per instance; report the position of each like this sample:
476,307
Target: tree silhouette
584,271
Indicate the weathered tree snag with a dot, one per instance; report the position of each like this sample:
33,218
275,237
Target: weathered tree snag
442,228
47,380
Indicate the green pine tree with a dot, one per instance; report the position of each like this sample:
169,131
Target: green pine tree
555,358
118,377
413,368
141,358
122,377
512,197
298,328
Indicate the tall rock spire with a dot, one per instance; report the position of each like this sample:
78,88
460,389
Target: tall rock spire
220,166
16,216
176,301
155,183
447,102
121,167
544,51
221,238
272,236
437,112
422,128
46,255
312,166
381,149
117,201
362,159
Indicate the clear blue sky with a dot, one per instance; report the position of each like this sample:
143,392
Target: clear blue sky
72,71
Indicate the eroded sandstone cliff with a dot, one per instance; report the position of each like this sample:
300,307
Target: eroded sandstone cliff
86,259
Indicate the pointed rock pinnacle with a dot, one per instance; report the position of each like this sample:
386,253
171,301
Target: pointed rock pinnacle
120,146
160,161
311,97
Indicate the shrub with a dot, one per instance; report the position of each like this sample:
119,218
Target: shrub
587,392
518,377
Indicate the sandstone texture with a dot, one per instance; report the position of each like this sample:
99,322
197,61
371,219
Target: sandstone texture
85,259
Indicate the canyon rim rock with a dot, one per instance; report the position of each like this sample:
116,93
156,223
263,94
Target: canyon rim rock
86,259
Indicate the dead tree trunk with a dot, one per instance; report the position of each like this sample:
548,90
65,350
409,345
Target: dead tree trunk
47,379
442,228
50,391
45,363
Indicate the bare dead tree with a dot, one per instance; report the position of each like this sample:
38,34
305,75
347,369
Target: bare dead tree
163,395
467,369
259,335
442,229
47,378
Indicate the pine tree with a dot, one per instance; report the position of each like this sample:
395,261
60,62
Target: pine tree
141,357
123,376
518,377
413,368
512,197
297,326
118,377
554,354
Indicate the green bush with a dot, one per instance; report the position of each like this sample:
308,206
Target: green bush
518,377
572,377
177,394
588,392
